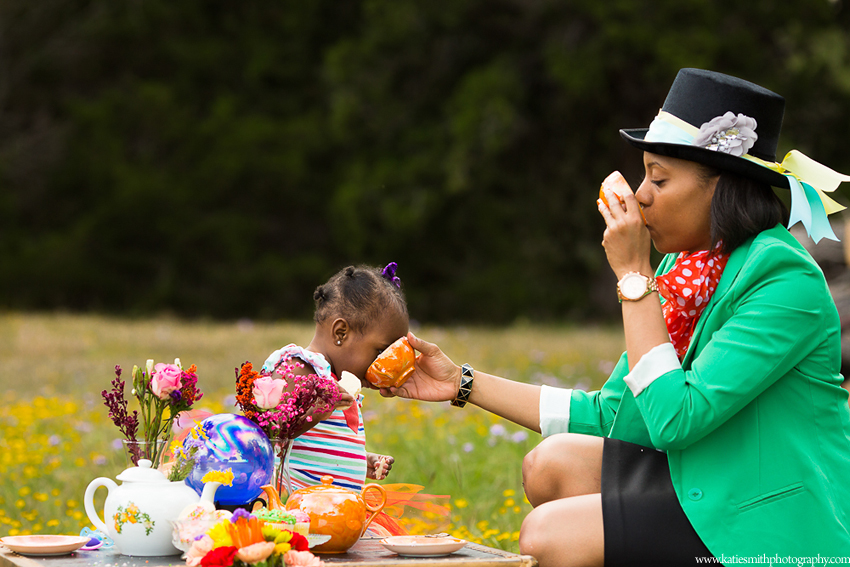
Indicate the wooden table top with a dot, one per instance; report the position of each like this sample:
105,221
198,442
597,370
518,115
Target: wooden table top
368,552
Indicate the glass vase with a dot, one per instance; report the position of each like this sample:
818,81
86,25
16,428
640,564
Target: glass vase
282,480
136,450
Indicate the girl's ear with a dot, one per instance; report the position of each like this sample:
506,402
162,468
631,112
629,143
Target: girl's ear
339,331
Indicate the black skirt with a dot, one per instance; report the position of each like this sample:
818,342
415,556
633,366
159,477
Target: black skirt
643,521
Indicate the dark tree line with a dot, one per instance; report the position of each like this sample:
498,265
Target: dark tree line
223,158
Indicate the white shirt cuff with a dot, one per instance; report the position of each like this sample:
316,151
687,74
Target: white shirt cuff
656,363
554,410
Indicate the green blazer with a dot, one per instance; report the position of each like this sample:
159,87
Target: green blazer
755,424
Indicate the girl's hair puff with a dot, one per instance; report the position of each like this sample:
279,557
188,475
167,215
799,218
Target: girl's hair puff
360,295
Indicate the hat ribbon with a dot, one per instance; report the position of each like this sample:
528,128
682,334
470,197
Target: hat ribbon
809,180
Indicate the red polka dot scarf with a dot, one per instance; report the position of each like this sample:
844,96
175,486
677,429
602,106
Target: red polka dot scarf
687,287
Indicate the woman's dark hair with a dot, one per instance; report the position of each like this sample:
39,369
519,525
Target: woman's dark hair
360,295
741,208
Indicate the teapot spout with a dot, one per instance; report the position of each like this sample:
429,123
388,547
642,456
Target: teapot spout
273,497
208,494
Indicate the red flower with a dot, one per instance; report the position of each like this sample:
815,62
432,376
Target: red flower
299,542
219,557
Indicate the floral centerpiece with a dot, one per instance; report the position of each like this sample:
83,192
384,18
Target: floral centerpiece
283,403
246,540
163,391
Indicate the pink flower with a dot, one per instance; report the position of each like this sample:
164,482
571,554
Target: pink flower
200,547
268,391
255,552
165,379
301,559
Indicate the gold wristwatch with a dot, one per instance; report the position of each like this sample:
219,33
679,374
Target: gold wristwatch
634,286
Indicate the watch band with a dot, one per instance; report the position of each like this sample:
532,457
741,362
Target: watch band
467,375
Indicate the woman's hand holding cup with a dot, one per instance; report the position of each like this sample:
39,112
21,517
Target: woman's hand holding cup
435,377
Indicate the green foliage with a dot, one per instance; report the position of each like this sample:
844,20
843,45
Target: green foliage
223,159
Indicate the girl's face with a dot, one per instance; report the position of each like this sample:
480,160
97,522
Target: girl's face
676,202
359,350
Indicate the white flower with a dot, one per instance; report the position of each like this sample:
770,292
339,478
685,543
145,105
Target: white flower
728,134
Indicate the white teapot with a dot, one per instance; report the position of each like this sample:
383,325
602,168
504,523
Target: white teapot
139,513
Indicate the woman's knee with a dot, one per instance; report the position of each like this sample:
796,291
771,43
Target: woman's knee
561,466
567,532
533,535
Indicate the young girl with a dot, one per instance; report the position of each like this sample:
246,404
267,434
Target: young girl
360,311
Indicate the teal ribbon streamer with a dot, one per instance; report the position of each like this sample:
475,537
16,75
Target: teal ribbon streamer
813,216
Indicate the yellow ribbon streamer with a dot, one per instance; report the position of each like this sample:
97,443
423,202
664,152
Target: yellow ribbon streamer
805,169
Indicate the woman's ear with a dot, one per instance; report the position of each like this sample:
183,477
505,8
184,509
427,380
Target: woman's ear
339,331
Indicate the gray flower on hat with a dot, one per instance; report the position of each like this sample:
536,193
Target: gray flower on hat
728,134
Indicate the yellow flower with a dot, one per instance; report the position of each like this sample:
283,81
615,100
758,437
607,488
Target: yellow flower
225,478
220,534
270,533
508,492
282,548
461,503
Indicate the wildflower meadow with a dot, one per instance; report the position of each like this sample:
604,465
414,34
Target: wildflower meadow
55,435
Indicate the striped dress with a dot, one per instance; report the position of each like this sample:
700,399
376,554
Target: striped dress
331,447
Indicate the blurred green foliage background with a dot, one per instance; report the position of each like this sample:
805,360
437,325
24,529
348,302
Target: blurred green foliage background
221,159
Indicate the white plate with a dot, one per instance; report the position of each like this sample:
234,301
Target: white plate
317,539
44,545
422,546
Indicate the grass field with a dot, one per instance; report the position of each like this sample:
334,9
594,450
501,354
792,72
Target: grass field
55,436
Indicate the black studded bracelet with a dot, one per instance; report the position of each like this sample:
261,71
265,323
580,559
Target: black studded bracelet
467,375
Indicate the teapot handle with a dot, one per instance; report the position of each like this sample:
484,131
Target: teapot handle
88,501
373,509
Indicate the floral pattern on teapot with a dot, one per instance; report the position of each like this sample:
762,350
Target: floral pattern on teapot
133,516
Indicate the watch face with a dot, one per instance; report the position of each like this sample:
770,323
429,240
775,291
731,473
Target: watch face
633,286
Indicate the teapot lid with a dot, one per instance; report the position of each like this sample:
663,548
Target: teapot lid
326,486
142,473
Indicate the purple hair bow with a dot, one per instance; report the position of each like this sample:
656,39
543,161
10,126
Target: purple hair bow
389,273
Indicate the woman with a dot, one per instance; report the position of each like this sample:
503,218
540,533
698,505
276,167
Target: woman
723,430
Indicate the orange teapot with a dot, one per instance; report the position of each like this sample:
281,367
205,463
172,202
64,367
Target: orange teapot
337,512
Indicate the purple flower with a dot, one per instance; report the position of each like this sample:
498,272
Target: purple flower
519,436
468,447
114,400
240,513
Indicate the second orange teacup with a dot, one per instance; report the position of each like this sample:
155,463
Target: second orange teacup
393,366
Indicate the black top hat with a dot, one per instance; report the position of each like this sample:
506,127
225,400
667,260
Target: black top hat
697,97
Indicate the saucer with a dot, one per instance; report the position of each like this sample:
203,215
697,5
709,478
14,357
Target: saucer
422,546
44,545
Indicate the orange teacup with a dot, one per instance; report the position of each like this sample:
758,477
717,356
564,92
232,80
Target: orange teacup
618,185
393,366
